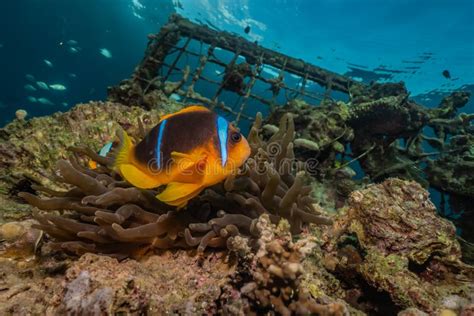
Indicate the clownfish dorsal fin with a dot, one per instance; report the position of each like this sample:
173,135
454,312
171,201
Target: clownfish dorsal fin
123,152
192,108
178,193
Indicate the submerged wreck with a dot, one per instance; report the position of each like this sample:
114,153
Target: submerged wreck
294,233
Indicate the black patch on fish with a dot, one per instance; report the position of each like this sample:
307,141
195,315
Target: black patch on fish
182,133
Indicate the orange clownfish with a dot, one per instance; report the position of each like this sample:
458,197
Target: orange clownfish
187,151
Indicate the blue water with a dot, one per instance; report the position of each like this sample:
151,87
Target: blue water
395,40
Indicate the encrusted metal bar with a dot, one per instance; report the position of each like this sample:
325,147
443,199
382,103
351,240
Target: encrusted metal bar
231,64
251,51
177,58
202,64
146,79
258,70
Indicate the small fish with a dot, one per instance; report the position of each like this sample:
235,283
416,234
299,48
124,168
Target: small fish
1,45
42,85
247,29
30,77
175,96
48,63
103,153
57,87
105,52
72,43
187,151
72,75
32,99
446,74
73,50
45,101
65,104
29,87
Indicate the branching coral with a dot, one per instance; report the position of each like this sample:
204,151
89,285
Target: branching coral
105,214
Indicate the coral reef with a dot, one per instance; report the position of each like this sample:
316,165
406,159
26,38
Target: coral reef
24,155
110,216
387,251
399,246
337,134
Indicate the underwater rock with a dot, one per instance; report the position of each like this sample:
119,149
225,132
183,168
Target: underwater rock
19,239
172,282
405,249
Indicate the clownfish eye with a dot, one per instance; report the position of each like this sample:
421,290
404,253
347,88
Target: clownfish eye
235,137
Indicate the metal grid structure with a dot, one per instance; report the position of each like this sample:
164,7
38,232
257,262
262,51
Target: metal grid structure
164,55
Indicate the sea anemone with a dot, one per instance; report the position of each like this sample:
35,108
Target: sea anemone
104,214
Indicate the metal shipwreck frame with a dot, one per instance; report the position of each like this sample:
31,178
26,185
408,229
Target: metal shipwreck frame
164,53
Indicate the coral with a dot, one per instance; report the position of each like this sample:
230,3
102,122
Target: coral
453,173
323,128
110,216
270,281
24,155
20,114
404,248
171,282
321,134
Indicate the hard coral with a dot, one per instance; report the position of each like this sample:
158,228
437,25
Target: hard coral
110,216
270,281
405,249
29,149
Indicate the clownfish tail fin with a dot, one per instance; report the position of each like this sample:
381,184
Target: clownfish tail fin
122,155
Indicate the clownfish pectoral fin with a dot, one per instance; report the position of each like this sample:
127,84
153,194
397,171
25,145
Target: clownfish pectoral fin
139,178
191,168
178,193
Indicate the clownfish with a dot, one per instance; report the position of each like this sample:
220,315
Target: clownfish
187,151
103,153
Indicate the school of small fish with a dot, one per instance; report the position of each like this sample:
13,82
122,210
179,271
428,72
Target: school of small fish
35,86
